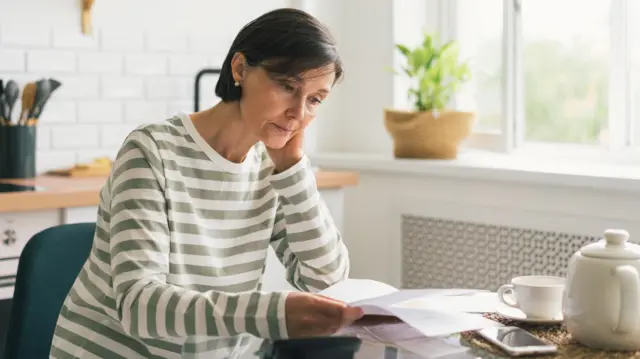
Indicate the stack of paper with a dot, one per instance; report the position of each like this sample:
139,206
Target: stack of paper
432,312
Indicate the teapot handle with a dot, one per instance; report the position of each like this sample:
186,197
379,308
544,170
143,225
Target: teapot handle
629,298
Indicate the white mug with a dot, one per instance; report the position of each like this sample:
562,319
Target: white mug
536,296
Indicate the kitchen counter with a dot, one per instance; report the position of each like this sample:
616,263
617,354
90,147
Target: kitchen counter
63,192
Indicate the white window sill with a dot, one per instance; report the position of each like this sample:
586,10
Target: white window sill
479,165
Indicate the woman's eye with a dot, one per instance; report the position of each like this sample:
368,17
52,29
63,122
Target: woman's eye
287,87
316,101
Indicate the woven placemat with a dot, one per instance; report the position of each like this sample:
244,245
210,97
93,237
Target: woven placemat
553,334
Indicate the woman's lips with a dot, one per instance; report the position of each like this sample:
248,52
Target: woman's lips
282,129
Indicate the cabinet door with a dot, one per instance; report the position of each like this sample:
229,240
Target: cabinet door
79,214
17,228
15,231
8,269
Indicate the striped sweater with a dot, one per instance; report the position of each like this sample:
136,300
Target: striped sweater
180,248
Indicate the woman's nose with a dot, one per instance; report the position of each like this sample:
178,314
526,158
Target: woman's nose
297,109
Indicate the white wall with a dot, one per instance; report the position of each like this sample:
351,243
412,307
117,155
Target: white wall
363,30
558,203
139,65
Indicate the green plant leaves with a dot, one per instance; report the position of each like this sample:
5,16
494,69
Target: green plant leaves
436,71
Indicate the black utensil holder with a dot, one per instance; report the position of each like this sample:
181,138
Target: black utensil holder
17,151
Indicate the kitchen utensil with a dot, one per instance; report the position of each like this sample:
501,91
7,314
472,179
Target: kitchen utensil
43,92
2,120
47,91
601,302
54,84
11,93
87,27
28,98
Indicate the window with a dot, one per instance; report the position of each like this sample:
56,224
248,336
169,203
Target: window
551,72
565,60
480,36
634,41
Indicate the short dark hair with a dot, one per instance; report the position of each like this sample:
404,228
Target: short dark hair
285,42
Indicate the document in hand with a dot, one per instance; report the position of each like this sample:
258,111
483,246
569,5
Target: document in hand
376,298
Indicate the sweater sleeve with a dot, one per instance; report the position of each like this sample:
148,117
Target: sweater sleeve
305,238
148,306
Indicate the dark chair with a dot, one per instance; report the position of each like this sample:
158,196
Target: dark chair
48,266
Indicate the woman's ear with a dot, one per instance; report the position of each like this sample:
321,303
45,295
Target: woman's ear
238,66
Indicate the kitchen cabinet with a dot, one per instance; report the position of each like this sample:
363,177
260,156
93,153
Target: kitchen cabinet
15,231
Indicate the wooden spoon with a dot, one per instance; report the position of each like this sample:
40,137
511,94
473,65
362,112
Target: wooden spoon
28,99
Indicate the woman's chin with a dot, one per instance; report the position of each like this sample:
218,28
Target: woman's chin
275,143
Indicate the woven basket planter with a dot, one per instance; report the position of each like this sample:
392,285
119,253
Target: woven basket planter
423,135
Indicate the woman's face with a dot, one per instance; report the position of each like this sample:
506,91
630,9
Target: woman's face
276,109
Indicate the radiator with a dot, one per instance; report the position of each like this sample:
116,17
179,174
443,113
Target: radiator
443,253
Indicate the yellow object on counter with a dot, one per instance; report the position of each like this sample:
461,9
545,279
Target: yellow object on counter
98,167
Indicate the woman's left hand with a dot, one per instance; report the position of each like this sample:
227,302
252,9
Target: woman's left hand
288,155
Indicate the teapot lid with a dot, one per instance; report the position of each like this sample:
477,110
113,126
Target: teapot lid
615,245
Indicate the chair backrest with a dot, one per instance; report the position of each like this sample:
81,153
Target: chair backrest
48,266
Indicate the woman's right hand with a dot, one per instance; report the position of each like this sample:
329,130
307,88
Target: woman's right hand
315,315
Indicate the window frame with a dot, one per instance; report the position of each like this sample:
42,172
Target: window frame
511,137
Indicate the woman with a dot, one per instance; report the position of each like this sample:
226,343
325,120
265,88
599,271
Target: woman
193,203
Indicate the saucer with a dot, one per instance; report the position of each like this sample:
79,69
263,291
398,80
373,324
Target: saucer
518,315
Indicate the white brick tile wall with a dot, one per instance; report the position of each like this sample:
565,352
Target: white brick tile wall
100,111
75,137
145,111
17,34
174,107
170,88
217,60
100,63
43,136
12,60
146,64
124,40
47,160
73,38
187,64
58,111
51,61
112,135
78,87
122,87
137,66
167,42
207,44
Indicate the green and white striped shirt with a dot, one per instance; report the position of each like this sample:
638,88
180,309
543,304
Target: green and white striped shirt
180,248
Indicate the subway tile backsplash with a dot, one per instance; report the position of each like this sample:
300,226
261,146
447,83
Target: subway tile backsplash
126,73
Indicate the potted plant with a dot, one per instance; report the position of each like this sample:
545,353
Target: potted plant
430,130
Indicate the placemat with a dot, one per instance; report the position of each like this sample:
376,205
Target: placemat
554,334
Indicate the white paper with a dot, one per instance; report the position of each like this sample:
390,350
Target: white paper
434,323
434,319
478,302
354,290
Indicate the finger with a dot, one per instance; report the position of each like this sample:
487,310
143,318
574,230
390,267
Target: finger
350,315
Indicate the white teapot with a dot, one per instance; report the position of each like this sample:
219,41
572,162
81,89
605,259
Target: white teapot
601,302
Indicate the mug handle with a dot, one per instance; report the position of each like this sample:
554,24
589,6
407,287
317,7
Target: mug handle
507,288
